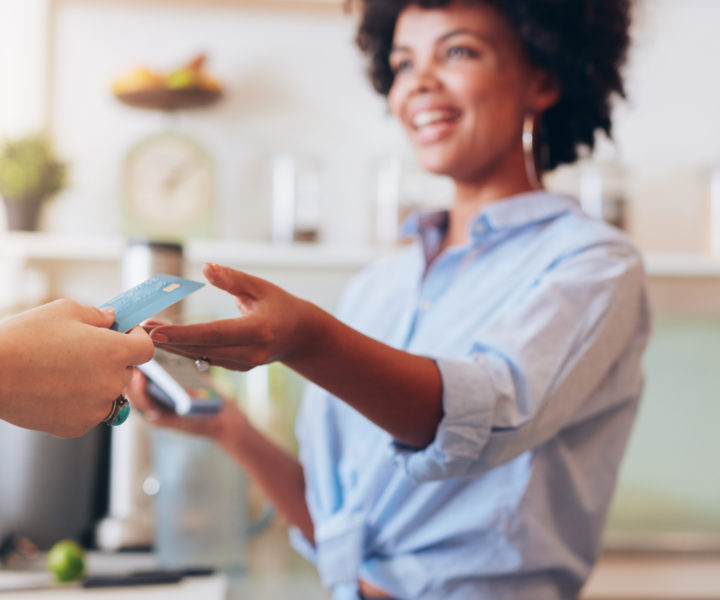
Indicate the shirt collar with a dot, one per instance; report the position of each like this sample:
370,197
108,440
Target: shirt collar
513,212
525,209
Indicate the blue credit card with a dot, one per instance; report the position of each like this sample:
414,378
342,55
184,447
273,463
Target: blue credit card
149,298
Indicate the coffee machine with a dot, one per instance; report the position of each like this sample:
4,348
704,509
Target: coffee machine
128,523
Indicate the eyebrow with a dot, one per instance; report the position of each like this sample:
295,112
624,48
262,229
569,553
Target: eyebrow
449,34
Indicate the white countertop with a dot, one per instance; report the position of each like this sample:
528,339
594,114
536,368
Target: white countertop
212,587
275,572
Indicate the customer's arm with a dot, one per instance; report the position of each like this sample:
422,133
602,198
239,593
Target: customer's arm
61,366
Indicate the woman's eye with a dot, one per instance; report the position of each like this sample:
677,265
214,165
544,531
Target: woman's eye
462,52
401,65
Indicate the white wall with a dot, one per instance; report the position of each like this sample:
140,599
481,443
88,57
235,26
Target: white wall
294,81
668,132
23,26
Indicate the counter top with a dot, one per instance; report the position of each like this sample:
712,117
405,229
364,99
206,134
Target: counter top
276,572
36,584
618,576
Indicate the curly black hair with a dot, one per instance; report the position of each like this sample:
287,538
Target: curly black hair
582,44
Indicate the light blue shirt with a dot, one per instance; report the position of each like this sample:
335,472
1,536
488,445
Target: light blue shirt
538,327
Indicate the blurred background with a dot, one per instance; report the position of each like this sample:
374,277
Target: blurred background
245,133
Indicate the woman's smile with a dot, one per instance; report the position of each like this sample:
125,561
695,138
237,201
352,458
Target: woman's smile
433,124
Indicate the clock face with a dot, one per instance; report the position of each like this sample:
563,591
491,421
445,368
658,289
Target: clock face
169,186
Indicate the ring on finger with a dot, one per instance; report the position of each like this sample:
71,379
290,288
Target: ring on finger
202,364
118,413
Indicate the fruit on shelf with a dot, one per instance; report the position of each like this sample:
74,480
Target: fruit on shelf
138,79
187,86
181,78
192,74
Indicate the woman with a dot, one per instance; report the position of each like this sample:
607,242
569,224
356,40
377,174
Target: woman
473,399
62,369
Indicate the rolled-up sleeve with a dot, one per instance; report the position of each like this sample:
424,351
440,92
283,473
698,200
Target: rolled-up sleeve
534,368
303,546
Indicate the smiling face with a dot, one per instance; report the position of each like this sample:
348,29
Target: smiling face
462,89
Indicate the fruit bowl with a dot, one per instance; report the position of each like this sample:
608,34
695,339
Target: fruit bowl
169,99
188,86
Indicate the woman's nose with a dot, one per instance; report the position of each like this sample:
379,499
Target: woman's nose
425,78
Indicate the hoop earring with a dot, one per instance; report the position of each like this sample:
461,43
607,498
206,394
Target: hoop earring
528,143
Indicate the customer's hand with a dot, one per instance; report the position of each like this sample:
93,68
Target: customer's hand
61,366
273,325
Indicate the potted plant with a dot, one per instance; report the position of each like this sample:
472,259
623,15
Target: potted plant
30,174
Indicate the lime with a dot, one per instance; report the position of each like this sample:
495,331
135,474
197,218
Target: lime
66,560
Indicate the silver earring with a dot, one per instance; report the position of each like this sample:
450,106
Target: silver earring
528,142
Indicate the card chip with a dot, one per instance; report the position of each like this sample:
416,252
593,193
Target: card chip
171,287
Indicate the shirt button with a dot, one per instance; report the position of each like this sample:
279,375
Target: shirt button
425,305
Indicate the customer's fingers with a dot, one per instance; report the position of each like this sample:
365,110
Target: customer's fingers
141,346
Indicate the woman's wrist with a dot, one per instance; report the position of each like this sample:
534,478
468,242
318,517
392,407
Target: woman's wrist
311,333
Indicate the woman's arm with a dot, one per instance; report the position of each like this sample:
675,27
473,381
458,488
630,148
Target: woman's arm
399,391
277,472
61,366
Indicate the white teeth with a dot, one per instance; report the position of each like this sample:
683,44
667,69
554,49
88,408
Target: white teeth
428,117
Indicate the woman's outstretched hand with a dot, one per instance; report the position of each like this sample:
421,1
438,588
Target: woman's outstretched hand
399,391
273,325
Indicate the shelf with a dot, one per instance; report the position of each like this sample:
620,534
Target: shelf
24,246
62,247
51,246
169,99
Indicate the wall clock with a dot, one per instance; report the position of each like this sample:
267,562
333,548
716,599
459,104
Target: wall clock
169,187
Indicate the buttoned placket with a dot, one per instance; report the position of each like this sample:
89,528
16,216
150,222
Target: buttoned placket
431,287
434,280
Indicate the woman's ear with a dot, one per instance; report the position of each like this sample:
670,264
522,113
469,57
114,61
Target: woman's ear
544,93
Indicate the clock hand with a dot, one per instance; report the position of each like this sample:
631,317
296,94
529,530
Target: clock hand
176,175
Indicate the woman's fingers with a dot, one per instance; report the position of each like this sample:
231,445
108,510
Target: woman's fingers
165,418
229,357
234,282
137,392
238,331
161,417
